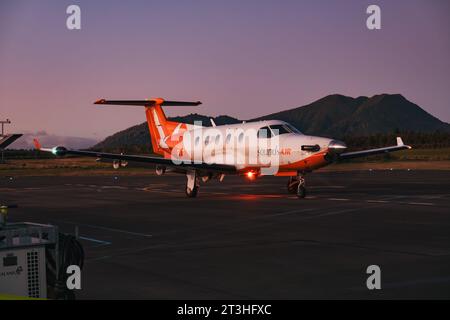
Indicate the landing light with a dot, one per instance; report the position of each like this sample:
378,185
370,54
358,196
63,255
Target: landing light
59,151
250,175
337,145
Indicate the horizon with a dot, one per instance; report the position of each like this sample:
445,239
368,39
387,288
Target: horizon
263,58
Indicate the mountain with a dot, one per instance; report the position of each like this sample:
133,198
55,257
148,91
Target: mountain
339,116
335,116
135,137
46,139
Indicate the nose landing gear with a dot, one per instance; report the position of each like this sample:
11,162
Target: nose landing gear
297,185
292,184
192,184
301,189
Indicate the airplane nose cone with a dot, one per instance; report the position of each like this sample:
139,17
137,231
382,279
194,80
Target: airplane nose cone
337,146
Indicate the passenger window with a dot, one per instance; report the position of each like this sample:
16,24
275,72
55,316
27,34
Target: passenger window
218,139
228,138
264,132
241,137
197,140
206,140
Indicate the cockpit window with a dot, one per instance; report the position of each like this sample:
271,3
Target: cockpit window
280,129
264,132
292,128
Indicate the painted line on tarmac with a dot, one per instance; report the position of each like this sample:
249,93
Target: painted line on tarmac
97,259
95,240
320,187
377,201
418,203
151,189
113,187
109,229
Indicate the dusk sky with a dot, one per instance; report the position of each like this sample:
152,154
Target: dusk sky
240,58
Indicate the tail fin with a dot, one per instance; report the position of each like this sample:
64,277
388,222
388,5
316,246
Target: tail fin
160,128
37,144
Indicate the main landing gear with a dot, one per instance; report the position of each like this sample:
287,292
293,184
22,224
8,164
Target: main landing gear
192,184
296,185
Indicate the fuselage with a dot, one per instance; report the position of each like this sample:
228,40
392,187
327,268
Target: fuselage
265,147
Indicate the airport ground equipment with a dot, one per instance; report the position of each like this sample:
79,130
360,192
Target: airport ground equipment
23,258
34,258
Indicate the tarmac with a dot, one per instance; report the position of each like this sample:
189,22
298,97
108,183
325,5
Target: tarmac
144,239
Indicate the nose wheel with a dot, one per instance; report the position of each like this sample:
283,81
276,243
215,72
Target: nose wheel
292,185
297,185
191,193
301,190
192,184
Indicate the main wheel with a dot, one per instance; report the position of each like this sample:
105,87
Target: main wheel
191,193
301,191
292,185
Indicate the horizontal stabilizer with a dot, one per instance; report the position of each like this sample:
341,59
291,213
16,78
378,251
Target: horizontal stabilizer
148,103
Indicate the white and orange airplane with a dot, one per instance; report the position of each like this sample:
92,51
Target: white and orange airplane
249,149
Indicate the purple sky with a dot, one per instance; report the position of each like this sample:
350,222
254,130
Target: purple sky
241,58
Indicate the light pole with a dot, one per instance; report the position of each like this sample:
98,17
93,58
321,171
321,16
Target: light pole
3,122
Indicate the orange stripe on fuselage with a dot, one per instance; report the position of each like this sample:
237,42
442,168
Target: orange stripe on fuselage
310,163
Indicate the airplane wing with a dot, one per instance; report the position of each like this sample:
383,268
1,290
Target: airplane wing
364,153
8,139
183,166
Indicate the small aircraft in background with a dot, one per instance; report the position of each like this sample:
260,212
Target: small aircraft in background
250,149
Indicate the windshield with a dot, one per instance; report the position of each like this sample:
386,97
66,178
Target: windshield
292,128
282,129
